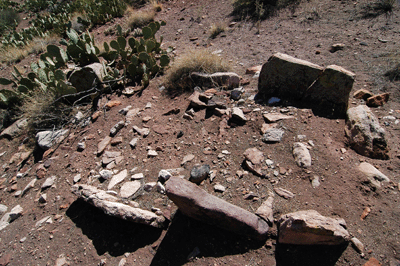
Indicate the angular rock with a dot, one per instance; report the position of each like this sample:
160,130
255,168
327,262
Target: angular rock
86,78
362,94
10,216
117,127
199,173
163,176
336,47
141,131
160,188
81,146
364,133
378,100
372,262
149,186
15,129
301,155
133,142
28,187
138,176
198,204
254,69
106,174
266,211
152,153
110,156
358,246
273,135
49,182
195,100
254,156
43,198
3,208
311,228
103,145
187,158
275,117
118,178
283,193
238,114
236,94
373,174
109,205
130,115
128,189
46,139
219,188
224,79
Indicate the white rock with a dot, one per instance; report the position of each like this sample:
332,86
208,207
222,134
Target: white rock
358,246
152,153
49,182
301,155
3,208
12,215
141,131
106,174
46,219
373,174
160,188
219,188
163,176
46,139
128,189
43,198
237,113
137,176
149,186
283,193
28,187
77,178
187,158
117,179
133,142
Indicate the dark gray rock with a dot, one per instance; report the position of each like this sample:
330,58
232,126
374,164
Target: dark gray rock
199,173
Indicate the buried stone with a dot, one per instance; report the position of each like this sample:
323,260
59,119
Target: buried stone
198,204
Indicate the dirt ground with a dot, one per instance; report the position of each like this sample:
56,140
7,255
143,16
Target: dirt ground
84,235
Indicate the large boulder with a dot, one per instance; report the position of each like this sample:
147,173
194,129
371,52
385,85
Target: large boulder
15,129
198,204
87,77
364,133
323,89
46,139
311,228
218,79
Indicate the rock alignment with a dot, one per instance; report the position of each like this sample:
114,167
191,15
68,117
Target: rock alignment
364,133
325,89
311,228
110,206
198,204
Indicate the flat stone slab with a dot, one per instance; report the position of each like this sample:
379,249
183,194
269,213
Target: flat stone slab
311,228
198,204
110,206
128,189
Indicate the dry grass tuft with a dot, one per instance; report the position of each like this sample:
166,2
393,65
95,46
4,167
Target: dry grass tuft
156,5
177,78
140,18
11,54
216,29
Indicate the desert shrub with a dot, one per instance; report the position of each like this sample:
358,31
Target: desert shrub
138,19
177,79
9,19
377,8
260,9
394,74
216,29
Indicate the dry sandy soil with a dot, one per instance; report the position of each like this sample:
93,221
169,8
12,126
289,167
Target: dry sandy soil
84,235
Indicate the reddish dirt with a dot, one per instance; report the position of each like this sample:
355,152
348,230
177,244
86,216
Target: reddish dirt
85,235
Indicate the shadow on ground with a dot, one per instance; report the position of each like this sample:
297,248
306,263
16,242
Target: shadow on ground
187,237
297,255
110,234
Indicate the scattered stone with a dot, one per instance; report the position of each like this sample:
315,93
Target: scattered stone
195,101
142,131
254,156
187,158
125,110
373,174
237,114
365,134
363,94
253,70
358,246
128,189
219,79
106,174
273,135
372,262
43,198
161,129
199,173
283,193
365,213
148,105
137,176
255,169
311,228
151,153
15,129
148,187
133,142
378,100
116,128
265,127
112,104
61,261
160,188
336,47
131,114
81,146
301,155
46,139
110,205
49,182
163,176
315,181
103,145
96,115
118,178
3,208
266,211
46,219
10,216
219,188
116,141
275,117
28,187
198,204
236,94
111,156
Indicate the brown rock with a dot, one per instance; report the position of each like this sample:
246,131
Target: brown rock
112,104
103,144
378,100
311,228
41,171
372,262
254,155
254,69
275,117
116,141
363,94
160,129
198,204
283,193
96,115
266,210
336,47
195,100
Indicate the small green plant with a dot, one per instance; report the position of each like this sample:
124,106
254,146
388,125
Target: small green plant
177,78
